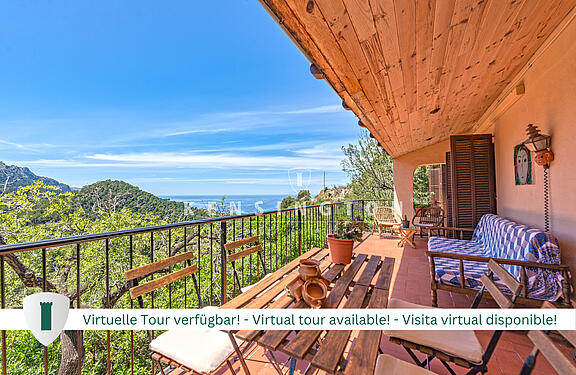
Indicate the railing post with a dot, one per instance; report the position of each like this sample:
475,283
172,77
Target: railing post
299,231
363,214
332,217
223,259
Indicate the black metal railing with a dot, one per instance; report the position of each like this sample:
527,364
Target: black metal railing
89,269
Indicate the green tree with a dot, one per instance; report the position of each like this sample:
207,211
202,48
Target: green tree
287,202
369,168
304,195
421,186
37,212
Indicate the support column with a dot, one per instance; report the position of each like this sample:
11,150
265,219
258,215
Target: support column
403,188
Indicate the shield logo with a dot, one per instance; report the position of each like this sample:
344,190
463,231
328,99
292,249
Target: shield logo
46,315
300,179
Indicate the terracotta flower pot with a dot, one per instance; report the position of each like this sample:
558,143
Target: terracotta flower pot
340,250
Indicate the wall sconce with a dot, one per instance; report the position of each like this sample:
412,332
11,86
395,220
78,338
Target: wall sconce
540,144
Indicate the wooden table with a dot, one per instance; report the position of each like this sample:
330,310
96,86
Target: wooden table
407,235
364,283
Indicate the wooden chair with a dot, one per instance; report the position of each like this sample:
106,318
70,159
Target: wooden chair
190,352
254,247
428,217
544,344
384,217
459,347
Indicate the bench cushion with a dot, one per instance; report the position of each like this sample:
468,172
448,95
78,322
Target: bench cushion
448,270
496,237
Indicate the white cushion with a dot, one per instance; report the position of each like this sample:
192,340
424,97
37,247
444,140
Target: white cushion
202,351
388,365
463,344
248,287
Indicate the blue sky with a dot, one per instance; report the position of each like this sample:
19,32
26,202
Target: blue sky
179,97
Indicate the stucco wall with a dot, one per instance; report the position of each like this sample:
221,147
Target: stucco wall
404,167
549,103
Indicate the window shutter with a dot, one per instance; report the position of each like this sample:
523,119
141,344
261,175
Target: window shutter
473,185
448,191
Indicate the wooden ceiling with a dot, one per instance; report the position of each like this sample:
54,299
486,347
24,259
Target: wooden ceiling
417,71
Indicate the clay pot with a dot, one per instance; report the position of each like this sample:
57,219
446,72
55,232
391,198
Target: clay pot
340,250
309,269
314,293
295,288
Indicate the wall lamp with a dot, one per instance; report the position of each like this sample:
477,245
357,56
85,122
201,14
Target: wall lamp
540,144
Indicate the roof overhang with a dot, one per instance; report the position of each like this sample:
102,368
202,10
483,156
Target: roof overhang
415,72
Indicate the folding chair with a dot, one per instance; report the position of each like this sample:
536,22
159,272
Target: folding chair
234,256
544,344
191,352
459,347
384,217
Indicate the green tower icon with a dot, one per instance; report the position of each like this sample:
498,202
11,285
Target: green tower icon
46,316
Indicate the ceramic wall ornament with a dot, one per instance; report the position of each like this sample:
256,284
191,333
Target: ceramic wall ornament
523,165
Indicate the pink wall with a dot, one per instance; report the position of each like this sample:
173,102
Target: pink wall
549,103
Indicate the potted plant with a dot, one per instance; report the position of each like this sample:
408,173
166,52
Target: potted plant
405,222
341,243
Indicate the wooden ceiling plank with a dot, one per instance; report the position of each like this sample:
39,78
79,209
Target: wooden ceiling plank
454,67
530,41
360,14
336,16
385,24
424,39
406,31
492,85
550,13
442,18
498,20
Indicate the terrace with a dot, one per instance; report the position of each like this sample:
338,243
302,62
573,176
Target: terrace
435,82
411,282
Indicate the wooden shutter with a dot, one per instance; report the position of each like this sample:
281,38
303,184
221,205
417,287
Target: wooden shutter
446,182
473,188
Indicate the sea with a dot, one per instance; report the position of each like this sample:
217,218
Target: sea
237,204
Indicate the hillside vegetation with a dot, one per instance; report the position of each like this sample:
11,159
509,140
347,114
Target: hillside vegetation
112,195
13,177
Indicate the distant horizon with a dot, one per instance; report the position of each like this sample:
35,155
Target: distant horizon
103,95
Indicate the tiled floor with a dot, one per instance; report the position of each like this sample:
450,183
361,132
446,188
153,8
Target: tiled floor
411,283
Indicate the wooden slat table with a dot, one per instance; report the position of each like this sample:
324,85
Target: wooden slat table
364,283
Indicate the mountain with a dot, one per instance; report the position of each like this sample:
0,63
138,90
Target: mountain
111,195
14,177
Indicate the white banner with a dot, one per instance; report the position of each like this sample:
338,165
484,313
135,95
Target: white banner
307,319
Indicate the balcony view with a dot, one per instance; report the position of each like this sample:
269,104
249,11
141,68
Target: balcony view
282,157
